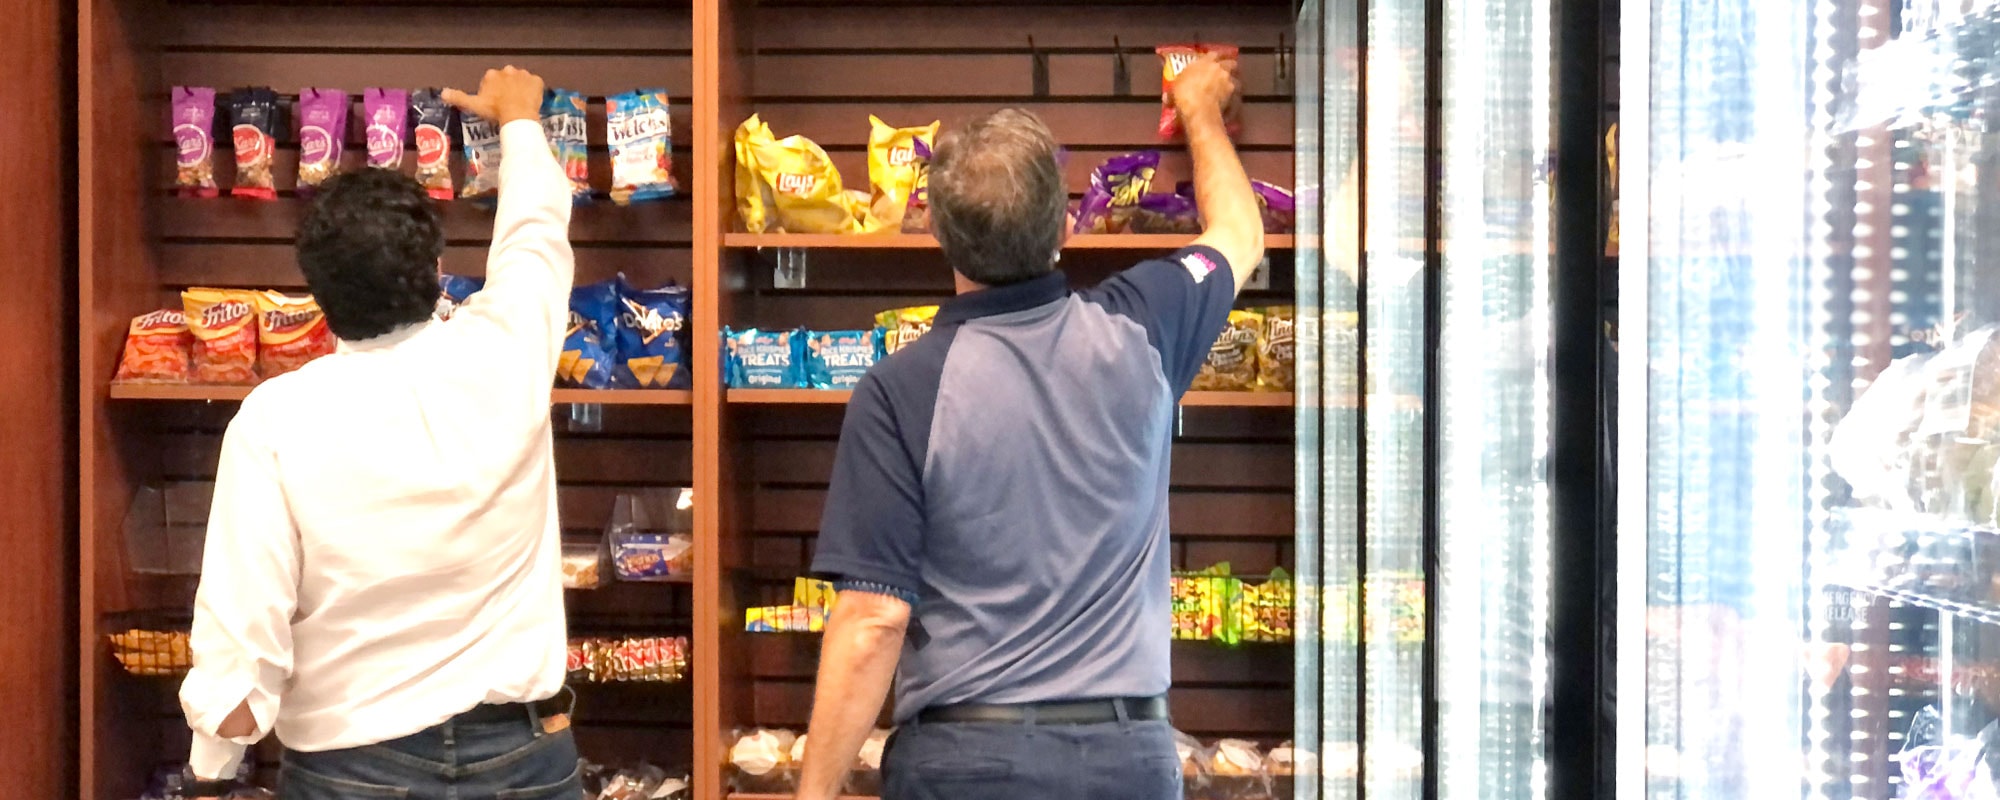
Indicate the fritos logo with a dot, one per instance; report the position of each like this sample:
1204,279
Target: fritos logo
224,313
796,184
282,320
166,318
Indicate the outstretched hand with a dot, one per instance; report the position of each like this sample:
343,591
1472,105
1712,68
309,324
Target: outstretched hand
1205,88
505,95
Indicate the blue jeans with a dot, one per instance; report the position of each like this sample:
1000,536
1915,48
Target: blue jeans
456,760
990,761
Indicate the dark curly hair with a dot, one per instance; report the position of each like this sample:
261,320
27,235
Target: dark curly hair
369,248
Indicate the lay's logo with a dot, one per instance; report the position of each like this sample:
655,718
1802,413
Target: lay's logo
902,156
224,313
789,183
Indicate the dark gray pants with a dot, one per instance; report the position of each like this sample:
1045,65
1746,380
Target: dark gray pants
982,761
456,760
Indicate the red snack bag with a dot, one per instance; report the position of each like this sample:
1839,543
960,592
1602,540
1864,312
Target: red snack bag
156,349
290,332
224,323
1173,59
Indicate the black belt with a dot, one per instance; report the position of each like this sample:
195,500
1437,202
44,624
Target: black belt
1072,712
489,713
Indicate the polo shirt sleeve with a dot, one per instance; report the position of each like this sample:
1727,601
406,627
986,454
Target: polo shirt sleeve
872,529
1182,301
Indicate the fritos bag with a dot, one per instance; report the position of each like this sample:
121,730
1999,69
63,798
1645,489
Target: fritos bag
291,331
588,353
156,349
430,117
253,115
640,131
563,121
384,117
1232,360
194,141
322,135
793,186
894,167
224,323
1173,59
1274,350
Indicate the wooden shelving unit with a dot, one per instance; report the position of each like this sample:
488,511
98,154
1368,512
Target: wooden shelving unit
758,460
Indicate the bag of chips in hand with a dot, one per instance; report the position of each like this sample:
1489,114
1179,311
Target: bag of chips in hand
224,323
790,186
430,117
291,331
640,131
838,359
385,116
651,348
1114,192
194,141
253,116
1173,59
893,167
563,122
1232,361
322,135
587,355
156,349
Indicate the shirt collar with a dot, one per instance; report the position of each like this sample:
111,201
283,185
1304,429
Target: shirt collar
387,340
1004,299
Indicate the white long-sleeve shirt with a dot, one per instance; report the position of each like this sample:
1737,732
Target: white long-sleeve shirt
383,551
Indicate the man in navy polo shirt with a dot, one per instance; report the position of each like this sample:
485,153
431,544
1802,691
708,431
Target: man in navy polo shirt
997,521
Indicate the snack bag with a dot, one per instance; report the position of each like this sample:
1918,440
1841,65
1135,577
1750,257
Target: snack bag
384,115
650,327
765,359
563,121
642,146
795,184
156,349
482,157
894,168
1164,213
253,115
291,331
322,135
838,359
194,141
430,116
1114,192
587,358
1274,350
224,323
1173,59
1278,206
1232,360
454,291
901,326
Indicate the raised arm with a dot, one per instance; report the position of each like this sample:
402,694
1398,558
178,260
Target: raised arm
1233,224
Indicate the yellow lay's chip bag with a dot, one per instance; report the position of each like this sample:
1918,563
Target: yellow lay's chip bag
901,326
893,167
795,184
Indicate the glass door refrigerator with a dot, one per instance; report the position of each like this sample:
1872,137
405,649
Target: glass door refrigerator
1809,399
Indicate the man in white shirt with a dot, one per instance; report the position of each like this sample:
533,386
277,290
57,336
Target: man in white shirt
381,585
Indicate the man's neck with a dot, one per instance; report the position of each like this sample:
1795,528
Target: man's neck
964,284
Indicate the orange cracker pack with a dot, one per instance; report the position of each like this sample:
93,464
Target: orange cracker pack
1173,59
291,331
156,349
224,323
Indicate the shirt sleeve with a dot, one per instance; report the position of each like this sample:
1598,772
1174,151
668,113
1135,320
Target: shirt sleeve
530,267
242,636
1182,301
872,528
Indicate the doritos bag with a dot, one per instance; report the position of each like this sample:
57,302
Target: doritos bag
893,168
794,187
156,349
291,331
454,290
651,351
1173,59
1232,360
587,356
224,323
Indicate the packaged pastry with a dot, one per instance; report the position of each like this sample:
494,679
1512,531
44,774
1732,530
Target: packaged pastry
764,359
866,778
1177,57
901,326
917,213
640,130
1239,772
790,186
651,556
1196,764
563,122
454,290
194,141
894,167
224,323
253,128
385,117
1274,350
587,355
291,331
430,119
322,135
652,349
762,761
1114,192
1164,213
157,349
838,359
482,156
583,564
1232,360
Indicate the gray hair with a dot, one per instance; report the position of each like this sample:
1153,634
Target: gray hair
998,204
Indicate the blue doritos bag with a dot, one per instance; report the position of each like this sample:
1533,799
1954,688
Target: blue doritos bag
456,289
838,359
765,359
651,338
589,353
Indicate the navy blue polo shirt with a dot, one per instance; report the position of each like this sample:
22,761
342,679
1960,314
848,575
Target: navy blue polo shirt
1008,471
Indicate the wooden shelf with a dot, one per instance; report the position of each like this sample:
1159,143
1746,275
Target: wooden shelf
920,241
230,394
1237,399
744,796
790,396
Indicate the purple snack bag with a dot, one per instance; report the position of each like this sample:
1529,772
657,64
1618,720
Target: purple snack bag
322,130
194,141
1165,213
1274,203
1115,189
385,113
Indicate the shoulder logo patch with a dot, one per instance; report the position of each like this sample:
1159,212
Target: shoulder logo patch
1198,265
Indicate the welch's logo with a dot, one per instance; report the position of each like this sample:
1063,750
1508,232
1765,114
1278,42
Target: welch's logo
796,184
633,127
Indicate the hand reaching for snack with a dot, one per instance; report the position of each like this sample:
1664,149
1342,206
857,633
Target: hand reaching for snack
1205,88
505,95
